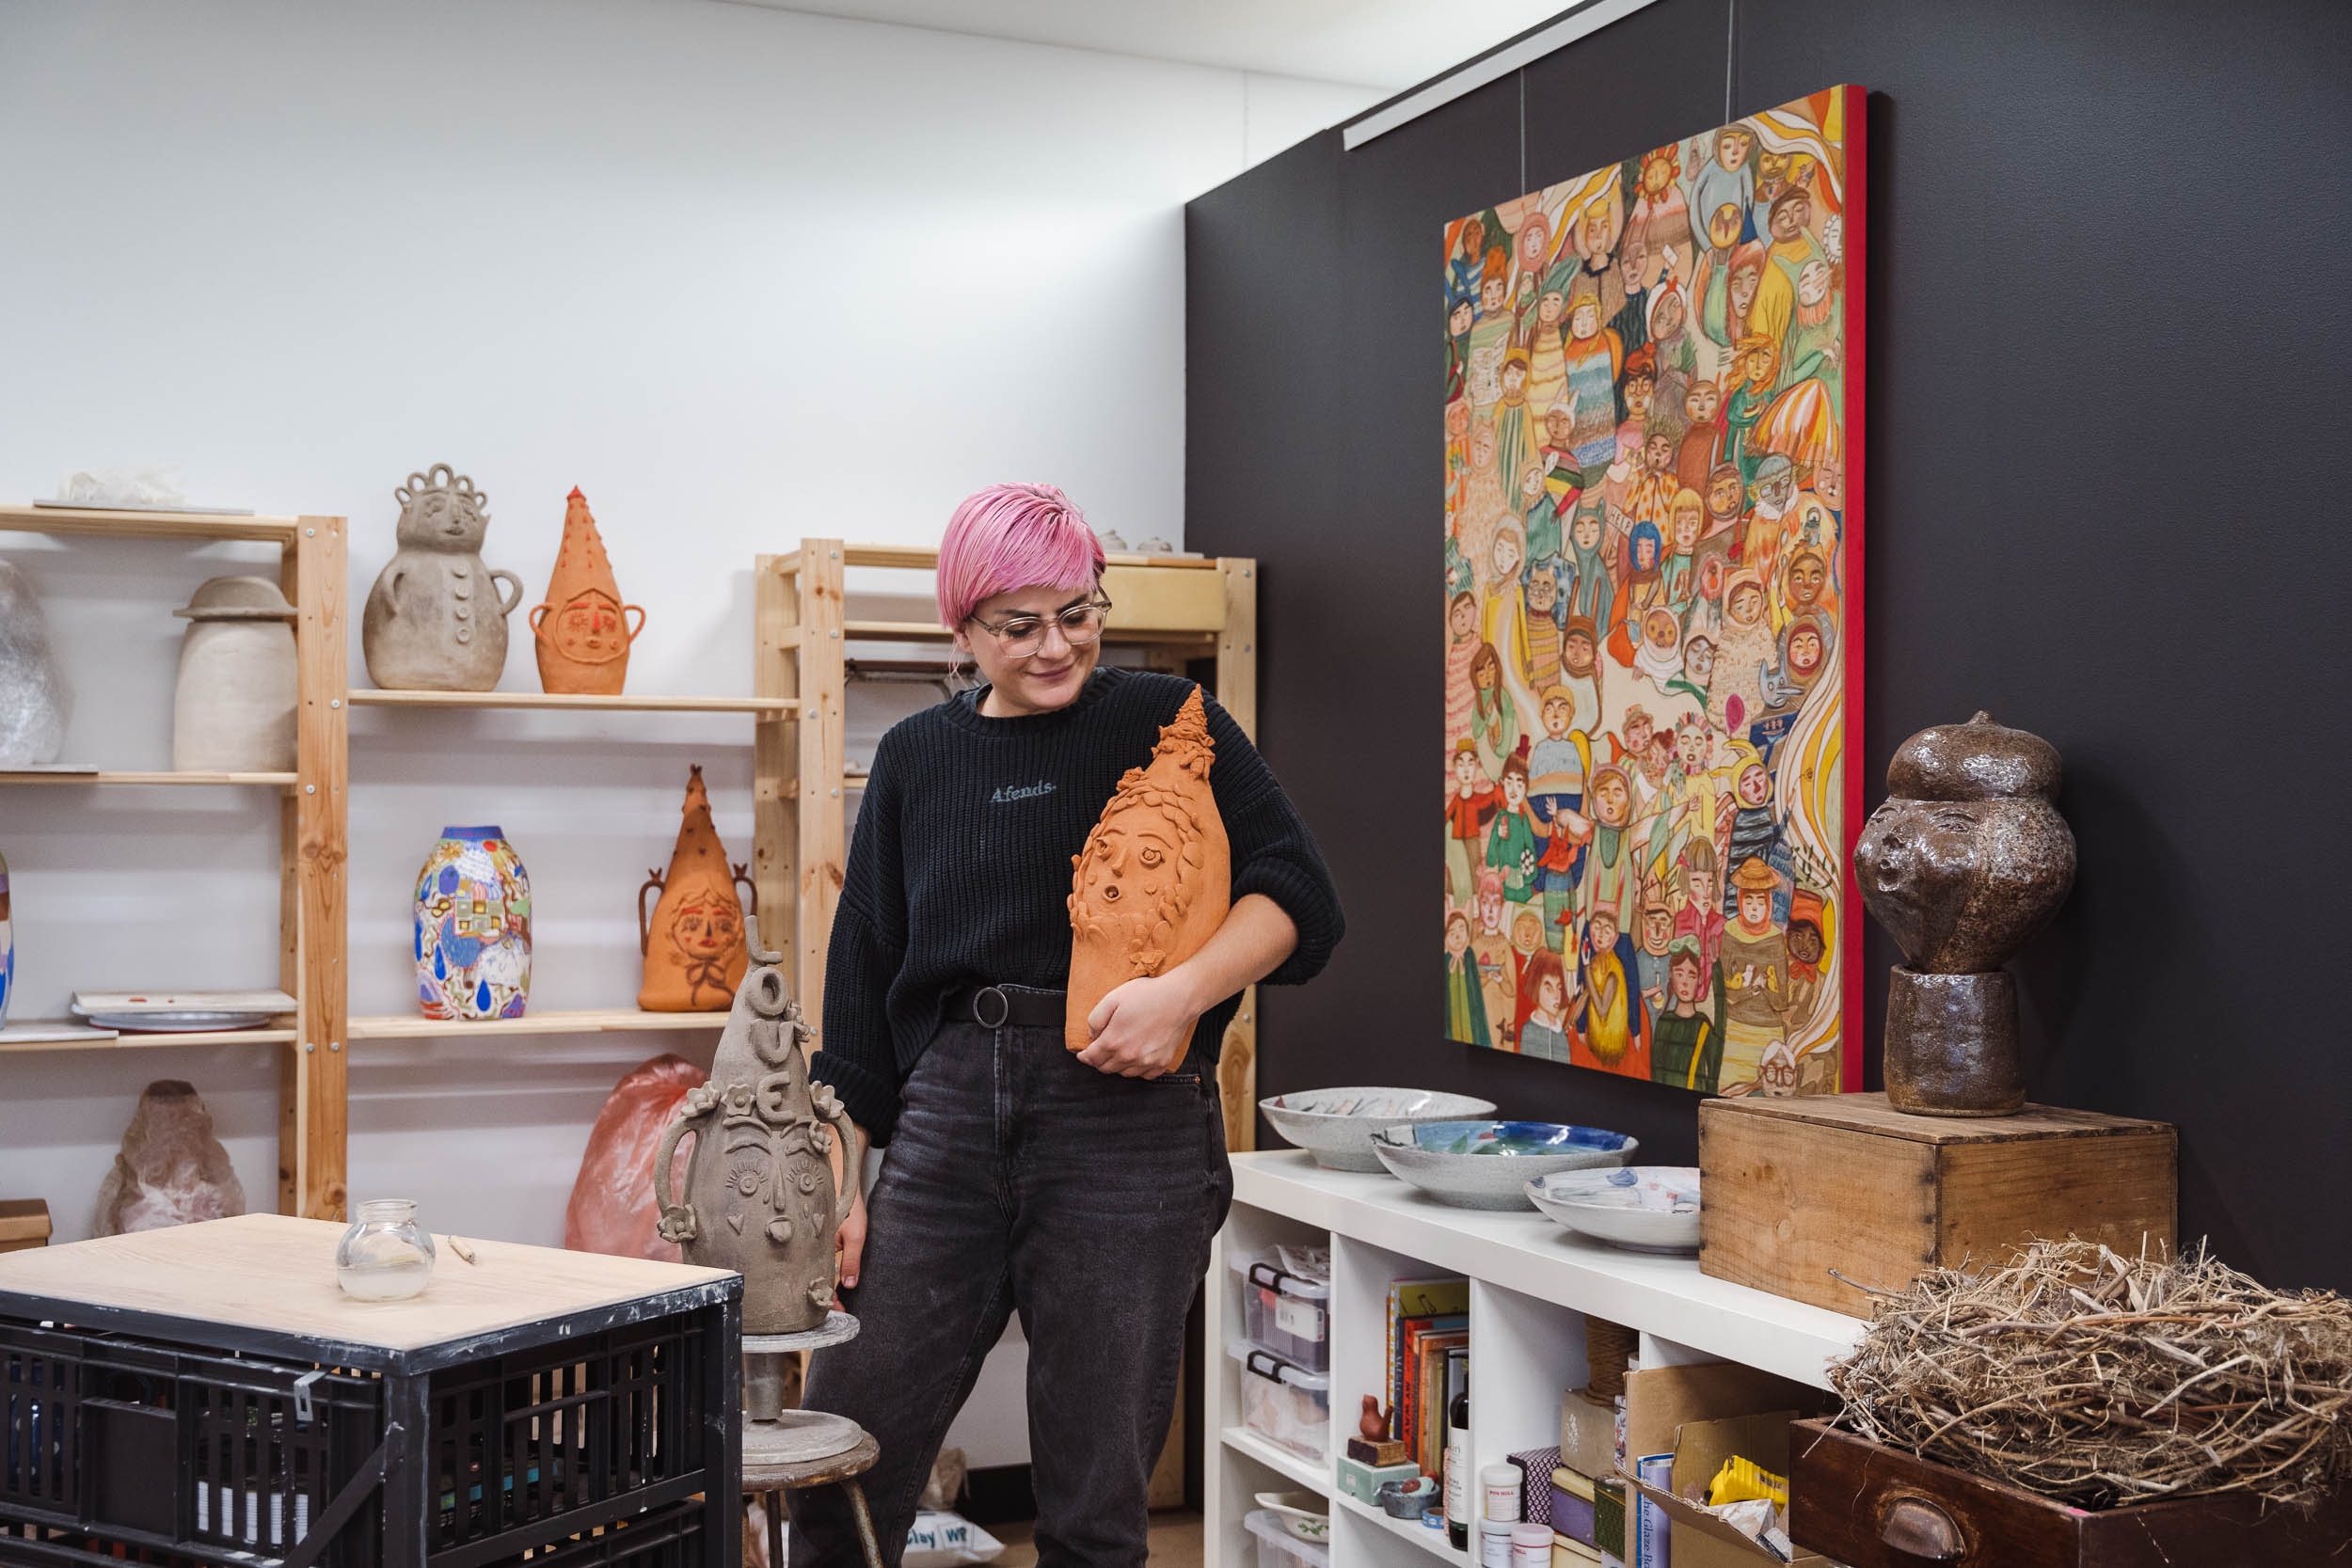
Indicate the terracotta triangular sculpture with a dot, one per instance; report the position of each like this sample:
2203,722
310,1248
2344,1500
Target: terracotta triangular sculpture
693,942
1155,877
581,628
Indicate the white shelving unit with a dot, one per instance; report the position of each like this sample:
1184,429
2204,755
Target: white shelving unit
1530,1285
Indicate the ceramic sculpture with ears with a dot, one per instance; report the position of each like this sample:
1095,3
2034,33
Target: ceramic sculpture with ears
1965,859
760,1196
33,701
693,942
1156,879
581,627
436,620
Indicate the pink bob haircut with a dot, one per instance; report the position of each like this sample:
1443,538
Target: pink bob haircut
1010,536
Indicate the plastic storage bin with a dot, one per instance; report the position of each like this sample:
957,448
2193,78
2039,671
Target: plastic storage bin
1283,1402
1279,1548
1290,1314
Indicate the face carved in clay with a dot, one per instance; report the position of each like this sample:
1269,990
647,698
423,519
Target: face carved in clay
588,629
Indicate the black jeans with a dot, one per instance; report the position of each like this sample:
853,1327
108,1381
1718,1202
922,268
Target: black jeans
1021,1180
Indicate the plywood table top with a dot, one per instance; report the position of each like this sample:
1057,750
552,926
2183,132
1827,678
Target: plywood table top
262,1275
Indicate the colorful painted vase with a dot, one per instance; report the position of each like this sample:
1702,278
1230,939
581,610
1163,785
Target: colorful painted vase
8,944
473,927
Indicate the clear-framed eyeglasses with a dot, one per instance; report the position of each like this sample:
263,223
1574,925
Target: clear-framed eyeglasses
1023,636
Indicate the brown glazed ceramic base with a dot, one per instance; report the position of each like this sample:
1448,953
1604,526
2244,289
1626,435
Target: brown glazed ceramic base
1952,1044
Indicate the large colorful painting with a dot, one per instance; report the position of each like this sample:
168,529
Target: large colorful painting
1653,462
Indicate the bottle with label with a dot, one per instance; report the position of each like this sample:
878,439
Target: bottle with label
1460,1487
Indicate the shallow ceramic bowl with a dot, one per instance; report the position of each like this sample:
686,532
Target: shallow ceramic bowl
1305,1514
1336,1125
1488,1164
1640,1208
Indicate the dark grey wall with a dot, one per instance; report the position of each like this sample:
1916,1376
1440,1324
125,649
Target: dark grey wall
2108,390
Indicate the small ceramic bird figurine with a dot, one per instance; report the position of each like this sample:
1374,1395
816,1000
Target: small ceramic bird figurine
1374,1425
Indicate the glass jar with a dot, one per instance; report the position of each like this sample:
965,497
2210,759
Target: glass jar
385,1256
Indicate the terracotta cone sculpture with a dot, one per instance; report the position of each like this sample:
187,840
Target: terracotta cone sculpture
693,944
1155,877
1965,859
761,1197
581,627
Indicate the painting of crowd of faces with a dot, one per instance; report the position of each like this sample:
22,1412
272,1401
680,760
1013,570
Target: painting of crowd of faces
1653,389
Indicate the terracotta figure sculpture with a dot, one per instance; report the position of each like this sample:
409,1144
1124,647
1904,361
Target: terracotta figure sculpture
171,1170
33,702
1155,877
1966,858
233,708
693,942
581,627
434,620
761,1197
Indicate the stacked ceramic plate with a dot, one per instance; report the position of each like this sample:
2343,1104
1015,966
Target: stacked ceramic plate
1489,1164
1336,1126
180,1012
1640,1208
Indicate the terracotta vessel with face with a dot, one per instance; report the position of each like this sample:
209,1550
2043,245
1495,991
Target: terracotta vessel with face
693,942
761,1194
581,628
1156,879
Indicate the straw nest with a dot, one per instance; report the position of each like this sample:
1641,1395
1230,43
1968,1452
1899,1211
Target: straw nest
2100,1379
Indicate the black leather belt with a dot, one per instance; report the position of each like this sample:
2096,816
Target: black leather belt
1006,1007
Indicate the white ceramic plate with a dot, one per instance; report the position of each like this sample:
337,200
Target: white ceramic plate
1336,1125
1306,1515
179,1023
1640,1208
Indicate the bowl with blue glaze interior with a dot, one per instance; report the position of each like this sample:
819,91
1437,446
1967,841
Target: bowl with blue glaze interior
1640,1208
1488,1164
1336,1125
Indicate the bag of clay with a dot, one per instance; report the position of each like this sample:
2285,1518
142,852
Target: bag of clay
943,1540
170,1170
611,1208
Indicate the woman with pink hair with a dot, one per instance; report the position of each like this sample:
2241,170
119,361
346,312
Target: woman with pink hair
1079,1189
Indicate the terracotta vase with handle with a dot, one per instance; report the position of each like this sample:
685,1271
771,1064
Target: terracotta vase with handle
581,628
693,942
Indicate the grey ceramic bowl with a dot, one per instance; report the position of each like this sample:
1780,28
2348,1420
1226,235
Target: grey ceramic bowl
1488,1164
1336,1125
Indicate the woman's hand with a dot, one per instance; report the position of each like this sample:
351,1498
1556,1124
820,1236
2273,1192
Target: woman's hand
1142,1028
850,1241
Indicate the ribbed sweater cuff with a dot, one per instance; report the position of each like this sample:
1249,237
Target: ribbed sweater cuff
871,1100
1307,899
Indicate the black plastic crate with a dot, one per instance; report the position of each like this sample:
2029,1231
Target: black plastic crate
667,1537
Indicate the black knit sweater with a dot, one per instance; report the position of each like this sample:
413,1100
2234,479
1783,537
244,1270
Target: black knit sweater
960,868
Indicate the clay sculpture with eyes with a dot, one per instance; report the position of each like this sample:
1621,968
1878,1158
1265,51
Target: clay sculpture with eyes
1156,879
434,620
581,628
693,942
1965,860
761,1197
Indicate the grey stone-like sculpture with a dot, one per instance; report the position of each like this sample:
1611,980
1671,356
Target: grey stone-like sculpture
171,1170
760,1194
434,620
1965,859
33,700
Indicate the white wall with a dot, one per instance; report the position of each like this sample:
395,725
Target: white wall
739,274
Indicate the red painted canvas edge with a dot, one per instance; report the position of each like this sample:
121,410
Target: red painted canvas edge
1854,1027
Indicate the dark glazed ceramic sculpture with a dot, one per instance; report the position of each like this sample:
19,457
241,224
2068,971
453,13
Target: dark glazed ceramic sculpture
760,1194
1156,879
1965,859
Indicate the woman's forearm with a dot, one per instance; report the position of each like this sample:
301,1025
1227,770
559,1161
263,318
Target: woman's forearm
1257,936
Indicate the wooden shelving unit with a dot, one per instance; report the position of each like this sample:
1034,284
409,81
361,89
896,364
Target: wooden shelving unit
589,1021
560,701
1178,607
312,1132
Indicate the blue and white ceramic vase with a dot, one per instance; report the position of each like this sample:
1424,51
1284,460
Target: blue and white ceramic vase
473,927
8,944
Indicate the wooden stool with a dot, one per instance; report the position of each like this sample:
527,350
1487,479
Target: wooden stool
771,1482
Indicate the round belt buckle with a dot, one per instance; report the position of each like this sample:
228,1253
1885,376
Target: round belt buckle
980,1000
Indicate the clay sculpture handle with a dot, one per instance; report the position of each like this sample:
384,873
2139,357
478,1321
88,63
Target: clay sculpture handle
539,614
751,891
665,1206
629,633
508,601
852,1161
653,884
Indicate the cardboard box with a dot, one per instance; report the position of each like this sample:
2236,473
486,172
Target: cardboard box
1703,1415
1796,1188
24,1222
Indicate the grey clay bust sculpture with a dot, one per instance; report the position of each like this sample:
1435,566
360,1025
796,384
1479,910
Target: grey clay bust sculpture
436,620
760,1195
1965,859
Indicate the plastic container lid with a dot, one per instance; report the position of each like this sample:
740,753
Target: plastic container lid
1256,1358
1532,1535
1271,1276
1267,1526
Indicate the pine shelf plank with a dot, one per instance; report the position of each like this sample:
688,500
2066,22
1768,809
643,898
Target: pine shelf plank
119,776
1314,1475
100,522
623,703
265,1035
589,1021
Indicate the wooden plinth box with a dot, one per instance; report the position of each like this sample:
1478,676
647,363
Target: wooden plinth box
1795,1188
1872,1506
